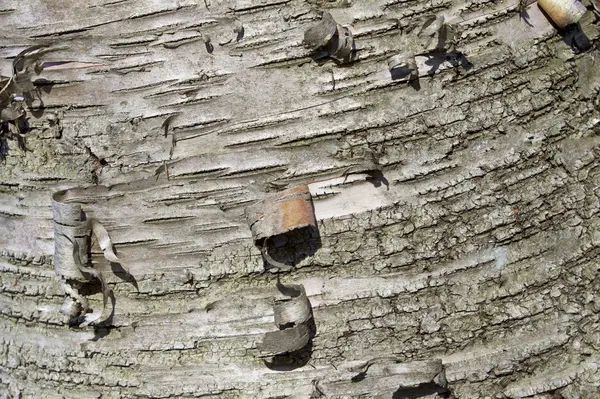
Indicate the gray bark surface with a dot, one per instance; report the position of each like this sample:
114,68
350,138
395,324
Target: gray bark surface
482,250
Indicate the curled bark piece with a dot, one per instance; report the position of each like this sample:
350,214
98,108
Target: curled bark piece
69,227
28,60
435,35
90,318
72,235
563,12
280,214
12,112
207,39
74,303
18,88
104,241
291,317
431,26
319,34
167,123
342,44
294,311
25,65
337,39
238,29
410,374
285,341
396,61
402,66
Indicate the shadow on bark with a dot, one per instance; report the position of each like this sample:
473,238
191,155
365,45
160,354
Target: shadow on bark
435,60
120,272
574,37
402,73
524,15
40,84
455,58
321,57
376,178
104,328
5,133
423,390
240,34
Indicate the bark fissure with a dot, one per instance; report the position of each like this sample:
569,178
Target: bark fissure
481,250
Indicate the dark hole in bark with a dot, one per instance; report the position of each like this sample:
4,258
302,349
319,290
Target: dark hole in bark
293,246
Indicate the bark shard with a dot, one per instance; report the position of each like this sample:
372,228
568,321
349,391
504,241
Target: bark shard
72,235
563,12
292,317
279,215
327,33
409,374
435,35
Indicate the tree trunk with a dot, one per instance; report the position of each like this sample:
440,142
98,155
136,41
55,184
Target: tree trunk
476,244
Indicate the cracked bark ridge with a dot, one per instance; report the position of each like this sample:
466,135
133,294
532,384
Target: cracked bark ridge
291,317
484,251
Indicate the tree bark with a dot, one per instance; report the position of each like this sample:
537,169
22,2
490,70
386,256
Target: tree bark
477,245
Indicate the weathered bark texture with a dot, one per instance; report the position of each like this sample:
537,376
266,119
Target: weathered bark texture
481,249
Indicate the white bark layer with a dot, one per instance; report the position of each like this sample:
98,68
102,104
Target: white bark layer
481,250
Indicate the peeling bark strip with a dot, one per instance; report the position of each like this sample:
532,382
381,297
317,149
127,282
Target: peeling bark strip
278,215
281,213
484,251
435,35
72,234
338,39
321,33
291,317
416,373
563,12
17,90
403,65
